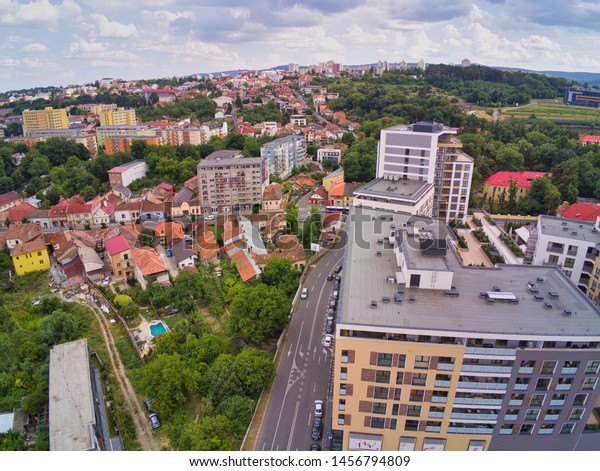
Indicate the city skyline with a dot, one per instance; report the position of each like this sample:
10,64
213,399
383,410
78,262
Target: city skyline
79,41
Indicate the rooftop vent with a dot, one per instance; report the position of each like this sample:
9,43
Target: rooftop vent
538,297
411,298
386,299
451,292
564,223
547,304
553,294
567,312
540,279
580,226
574,233
379,253
565,228
398,298
373,303
497,288
391,279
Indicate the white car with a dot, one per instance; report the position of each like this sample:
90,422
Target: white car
210,217
318,408
328,340
304,293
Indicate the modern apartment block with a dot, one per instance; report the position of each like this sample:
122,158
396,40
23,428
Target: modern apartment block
48,118
115,144
433,355
124,174
102,132
230,183
428,152
329,153
283,154
570,244
78,136
117,117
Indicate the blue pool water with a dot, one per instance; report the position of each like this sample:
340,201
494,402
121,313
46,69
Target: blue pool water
157,329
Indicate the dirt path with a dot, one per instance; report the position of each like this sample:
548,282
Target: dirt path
142,426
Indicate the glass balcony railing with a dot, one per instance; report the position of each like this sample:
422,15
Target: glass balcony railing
520,387
490,351
487,369
470,416
485,386
471,430
526,370
477,402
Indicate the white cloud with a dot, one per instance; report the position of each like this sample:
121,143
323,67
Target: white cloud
112,29
539,42
38,13
35,47
82,46
9,62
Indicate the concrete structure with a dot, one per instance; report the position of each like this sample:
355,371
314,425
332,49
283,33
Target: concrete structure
102,132
406,196
283,154
48,118
329,153
230,183
498,186
582,97
571,245
428,152
117,117
124,174
72,418
114,144
432,355
78,136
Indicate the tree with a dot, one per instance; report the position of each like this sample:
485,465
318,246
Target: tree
509,159
13,130
238,409
542,198
279,272
291,218
348,138
167,379
209,434
255,370
221,380
259,312
251,147
60,327
154,98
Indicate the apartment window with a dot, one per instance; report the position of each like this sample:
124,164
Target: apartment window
567,428
382,376
377,422
380,392
592,367
399,377
537,400
343,373
546,429
580,399
379,408
384,359
342,404
542,384
422,153
406,151
341,419
576,414
422,362
548,367
411,425
419,379
414,411
395,409
344,356
526,429
41,262
569,262
507,429
417,395
397,394
532,414
393,424
401,361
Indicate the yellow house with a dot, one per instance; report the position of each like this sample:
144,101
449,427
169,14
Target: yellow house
30,256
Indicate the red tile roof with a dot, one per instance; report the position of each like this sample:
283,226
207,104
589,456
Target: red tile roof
9,197
521,179
244,266
148,261
37,244
20,211
23,232
582,212
116,245
589,139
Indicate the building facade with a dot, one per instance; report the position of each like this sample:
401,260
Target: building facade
432,355
582,97
230,183
502,186
428,152
329,153
124,174
117,117
48,118
283,154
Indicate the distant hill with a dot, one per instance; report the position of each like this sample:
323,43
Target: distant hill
582,77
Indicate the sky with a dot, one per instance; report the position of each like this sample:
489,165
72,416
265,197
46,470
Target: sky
62,42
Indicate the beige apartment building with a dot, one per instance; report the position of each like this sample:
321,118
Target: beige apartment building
230,183
48,118
432,355
117,117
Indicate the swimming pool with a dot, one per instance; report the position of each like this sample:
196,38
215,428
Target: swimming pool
158,329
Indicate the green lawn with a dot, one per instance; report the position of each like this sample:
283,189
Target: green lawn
554,110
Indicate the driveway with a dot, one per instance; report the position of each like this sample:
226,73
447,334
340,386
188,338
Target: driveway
170,262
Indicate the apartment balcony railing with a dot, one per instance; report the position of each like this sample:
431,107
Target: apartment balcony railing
441,383
477,402
511,417
439,399
515,402
558,250
435,415
551,417
506,431
520,387
486,369
472,416
557,402
445,366
484,386
563,387
471,430
526,370
490,351
433,428
568,371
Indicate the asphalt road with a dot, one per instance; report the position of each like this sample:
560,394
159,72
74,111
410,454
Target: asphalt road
304,370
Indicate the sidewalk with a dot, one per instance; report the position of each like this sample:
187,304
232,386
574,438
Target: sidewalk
494,235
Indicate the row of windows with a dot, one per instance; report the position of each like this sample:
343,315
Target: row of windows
544,429
420,362
549,367
565,384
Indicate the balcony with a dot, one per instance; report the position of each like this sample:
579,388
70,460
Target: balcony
511,417
520,387
477,402
515,402
484,386
551,417
506,431
475,417
546,431
568,371
486,369
563,387
490,351
471,430
441,383
526,370
557,402
435,415
439,399
445,366
558,250
433,428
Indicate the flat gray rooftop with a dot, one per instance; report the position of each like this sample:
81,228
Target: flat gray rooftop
576,230
365,279
407,190
71,401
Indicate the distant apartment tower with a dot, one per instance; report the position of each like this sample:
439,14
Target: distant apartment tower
465,63
582,97
115,144
96,108
283,154
117,117
48,118
293,68
124,174
102,132
230,183
570,244
428,152
432,355
79,136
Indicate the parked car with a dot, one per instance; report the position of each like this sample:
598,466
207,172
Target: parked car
210,217
328,340
315,447
335,293
329,327
169,253
330,314
338,268
315,433
336,285
318,408
148,404
304,293
331,276
154,420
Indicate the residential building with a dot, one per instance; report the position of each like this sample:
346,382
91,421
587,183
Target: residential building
72,417
502,186
428,152
117,117
79,216
319,197
283,154
183,253
329,153
230,183
169,233
589,139
569,244
48,118
298,119
432,355
17,234
333,177
28,251
96,108
103,213
10,200
40,217
208,246
128,213
103,132
341,194
273,198
114,144
593,289
79,136
119,257
149,266
124,174
581,211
